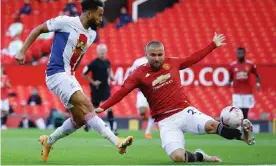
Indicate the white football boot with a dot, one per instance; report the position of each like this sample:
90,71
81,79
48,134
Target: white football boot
247,132
207,158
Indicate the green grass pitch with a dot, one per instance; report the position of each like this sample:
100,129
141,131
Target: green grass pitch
20,147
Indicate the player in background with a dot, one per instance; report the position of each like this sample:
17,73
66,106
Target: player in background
141,102
73,35
159,81
99,83
240,71
5,106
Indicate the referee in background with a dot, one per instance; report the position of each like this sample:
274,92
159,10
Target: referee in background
99,82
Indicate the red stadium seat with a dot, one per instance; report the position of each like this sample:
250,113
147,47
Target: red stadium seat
184,28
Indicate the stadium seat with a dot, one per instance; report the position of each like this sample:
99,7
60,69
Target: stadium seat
184,28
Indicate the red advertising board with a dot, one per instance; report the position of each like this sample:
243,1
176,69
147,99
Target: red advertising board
198,75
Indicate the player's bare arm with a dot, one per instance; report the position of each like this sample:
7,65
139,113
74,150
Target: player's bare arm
20,58
90,80
258,79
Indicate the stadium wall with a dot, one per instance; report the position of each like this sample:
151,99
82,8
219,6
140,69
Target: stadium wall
198,75
259,126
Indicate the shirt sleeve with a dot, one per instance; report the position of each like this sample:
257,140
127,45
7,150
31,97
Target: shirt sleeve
88,68
58,23
108,63
130,83
133,67
195,57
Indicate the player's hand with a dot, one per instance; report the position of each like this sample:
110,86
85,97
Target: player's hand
99,110
96,83
20,58
258,86
219,39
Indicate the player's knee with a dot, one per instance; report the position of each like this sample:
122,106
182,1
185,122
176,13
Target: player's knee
77,123
211,126
88,106
178,155
84,104
178,158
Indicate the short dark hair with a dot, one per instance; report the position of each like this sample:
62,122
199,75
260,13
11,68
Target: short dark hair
91,5
241,49
154,43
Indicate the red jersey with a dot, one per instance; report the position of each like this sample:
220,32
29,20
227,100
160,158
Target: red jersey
4,87
162,88
240,72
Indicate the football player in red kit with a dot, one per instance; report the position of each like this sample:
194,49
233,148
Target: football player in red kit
4,106
240,71
160,83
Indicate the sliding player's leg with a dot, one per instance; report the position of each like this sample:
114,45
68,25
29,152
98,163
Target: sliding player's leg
245,134
201,124
172,138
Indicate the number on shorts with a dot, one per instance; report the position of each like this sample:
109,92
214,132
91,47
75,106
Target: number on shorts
192,111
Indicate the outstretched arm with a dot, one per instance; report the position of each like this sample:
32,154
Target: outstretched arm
130,83
218,41
54,24
29,41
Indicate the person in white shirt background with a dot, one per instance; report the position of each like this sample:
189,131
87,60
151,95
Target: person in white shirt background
141,102
15,28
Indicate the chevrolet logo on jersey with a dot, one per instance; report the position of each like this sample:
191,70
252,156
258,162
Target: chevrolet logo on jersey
161,79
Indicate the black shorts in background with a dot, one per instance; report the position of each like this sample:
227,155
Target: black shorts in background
99,95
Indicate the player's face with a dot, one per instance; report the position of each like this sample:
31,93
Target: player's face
156,56
240,54
95,18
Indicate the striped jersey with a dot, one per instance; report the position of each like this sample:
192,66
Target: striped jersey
71,41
